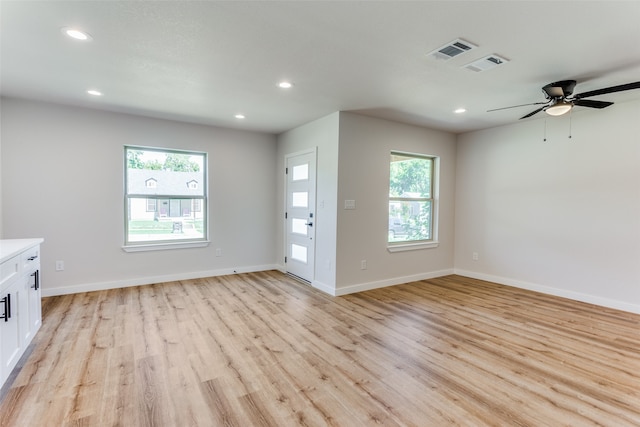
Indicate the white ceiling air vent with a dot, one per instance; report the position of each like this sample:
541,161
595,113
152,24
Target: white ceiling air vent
452,49
486,63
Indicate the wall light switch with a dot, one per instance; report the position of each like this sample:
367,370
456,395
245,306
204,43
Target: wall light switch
349,204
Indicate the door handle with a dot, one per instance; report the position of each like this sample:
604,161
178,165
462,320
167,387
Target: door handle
310,224
36,280
7,308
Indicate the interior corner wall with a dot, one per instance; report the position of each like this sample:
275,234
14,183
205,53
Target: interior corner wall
1,180
62,178
561,216
323,135
363,176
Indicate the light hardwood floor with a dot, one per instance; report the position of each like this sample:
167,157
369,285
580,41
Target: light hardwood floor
261,349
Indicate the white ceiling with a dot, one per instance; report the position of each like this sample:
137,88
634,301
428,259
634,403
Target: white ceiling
205,61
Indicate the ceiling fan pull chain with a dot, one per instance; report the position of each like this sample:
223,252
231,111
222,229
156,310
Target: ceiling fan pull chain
570,123
545,130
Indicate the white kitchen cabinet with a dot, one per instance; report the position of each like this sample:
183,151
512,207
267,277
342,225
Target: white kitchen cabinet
30,301
35,302
10,349
20,305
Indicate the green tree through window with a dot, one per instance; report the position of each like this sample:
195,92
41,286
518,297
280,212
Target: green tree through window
410,197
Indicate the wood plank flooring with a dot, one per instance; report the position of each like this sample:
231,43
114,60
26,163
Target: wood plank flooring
261,349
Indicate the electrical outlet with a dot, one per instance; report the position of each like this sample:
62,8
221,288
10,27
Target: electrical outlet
475,256
59,265
363,264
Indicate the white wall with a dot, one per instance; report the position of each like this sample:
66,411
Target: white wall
363,176
1,230
1,233
62,179
323,134
561,216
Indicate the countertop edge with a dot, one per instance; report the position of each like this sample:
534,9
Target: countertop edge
12,247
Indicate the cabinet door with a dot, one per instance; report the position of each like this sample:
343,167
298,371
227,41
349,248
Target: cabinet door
11,349
35,303
24,317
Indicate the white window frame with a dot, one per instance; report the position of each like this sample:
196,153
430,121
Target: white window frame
435,183
153,245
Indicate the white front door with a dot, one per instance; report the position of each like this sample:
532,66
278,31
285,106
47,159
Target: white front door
300,214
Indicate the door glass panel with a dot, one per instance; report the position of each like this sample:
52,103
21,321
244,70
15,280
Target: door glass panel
300,199
300,172
299,252
299,226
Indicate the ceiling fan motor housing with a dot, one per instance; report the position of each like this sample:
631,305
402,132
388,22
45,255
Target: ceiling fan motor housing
559,89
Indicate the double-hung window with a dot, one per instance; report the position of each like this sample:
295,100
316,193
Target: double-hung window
165,198
412,202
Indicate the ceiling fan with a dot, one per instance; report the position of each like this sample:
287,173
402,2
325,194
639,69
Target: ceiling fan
560,98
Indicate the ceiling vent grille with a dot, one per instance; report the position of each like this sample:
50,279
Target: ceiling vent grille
452,49
486,63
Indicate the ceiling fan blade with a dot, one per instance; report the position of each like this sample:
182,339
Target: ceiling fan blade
515,106
620,88
592,103
532,113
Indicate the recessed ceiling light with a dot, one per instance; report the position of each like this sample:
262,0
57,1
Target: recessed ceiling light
460,110
240,116
285,85
76,34
94,92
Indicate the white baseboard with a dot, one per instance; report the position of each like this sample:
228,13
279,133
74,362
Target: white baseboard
149,280
323,287
388,282
577,296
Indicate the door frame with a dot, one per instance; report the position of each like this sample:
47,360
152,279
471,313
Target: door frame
313,151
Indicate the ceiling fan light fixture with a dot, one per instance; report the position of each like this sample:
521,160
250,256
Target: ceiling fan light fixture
559,108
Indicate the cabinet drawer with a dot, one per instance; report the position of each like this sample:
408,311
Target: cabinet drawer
8,270
31,258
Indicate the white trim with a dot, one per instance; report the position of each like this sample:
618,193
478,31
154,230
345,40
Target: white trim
322,287
577,296
412,246
147,246
125,283
389,282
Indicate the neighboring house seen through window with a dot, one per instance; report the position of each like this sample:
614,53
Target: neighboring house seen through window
165,196
411,198
151,205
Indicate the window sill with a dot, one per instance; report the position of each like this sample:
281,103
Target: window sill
412,246
165,246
